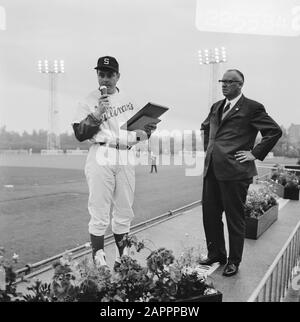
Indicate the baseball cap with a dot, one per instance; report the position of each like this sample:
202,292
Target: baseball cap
108,62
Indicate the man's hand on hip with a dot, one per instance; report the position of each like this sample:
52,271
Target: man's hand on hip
244,156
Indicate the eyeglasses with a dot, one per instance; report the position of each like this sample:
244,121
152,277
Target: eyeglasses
228,82
108,74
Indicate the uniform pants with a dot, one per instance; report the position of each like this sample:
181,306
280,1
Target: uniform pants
111,189
228,196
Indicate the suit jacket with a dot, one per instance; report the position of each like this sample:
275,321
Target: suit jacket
237,131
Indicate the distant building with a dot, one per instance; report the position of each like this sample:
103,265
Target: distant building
294,133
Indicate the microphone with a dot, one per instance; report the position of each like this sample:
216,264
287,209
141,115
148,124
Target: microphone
103,90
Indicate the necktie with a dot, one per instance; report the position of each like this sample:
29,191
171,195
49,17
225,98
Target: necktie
226,108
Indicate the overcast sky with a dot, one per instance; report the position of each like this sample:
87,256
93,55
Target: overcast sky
156,43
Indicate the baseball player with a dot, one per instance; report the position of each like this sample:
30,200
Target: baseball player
111,182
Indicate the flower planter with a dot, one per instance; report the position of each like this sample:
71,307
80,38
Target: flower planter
203,298
257,226
291,193
278,189
285,192
293,167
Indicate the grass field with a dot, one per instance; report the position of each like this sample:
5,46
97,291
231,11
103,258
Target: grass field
43,201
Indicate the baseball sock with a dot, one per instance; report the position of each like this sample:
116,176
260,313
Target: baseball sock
121,245
97,243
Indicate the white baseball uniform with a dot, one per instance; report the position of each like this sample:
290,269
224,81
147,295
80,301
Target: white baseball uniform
110,177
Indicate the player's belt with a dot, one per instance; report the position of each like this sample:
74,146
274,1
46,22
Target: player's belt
116,146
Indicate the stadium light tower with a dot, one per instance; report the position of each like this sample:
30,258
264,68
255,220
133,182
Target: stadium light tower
213,57
52,68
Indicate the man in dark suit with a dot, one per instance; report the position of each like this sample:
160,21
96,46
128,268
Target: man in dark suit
229,134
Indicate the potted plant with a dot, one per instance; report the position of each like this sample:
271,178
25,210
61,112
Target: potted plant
164,278
292,186
261,210
286,184
8,289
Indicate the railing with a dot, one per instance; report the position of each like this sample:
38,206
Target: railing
278,278
291,168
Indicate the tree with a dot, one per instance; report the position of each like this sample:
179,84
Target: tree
36,141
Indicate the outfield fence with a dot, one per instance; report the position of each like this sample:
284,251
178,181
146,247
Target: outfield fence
52,152
19,151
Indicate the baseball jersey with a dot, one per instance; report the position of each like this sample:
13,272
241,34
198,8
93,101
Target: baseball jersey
121,108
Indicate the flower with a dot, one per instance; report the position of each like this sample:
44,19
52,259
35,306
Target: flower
15,257
285,177
260,200
8,277
210,291
66,258
87,245
164,278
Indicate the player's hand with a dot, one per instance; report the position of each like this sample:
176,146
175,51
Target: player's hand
103,105
244,156
141,135
149,128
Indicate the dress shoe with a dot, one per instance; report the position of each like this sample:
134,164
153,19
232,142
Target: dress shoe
230,269
210,261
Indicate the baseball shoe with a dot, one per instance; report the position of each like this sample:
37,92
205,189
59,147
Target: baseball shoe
100,259
125,251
